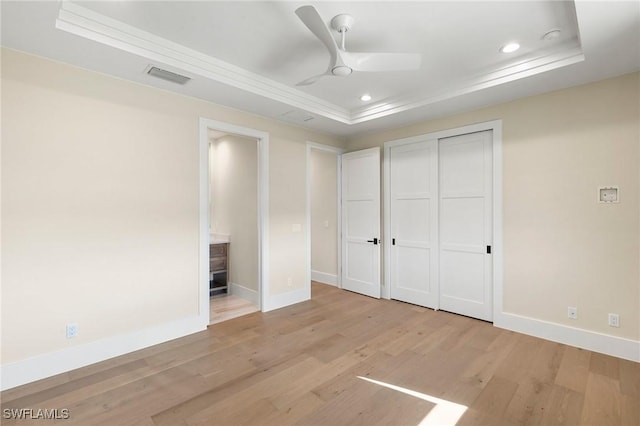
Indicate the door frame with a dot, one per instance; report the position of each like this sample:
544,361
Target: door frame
338,152
497,249
205,214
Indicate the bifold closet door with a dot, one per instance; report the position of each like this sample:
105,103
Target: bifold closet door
414,223
465,183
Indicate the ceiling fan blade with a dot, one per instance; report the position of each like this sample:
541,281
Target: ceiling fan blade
310,80
376,62
312,19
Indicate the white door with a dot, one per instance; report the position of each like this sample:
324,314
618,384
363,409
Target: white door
414,223
466,224
361,222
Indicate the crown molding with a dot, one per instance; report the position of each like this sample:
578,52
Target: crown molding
507,74
94,26
102,29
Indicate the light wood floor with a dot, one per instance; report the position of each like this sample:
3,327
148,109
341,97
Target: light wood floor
312,364
226,307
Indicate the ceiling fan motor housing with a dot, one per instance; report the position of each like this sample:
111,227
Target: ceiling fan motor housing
341,70
342,23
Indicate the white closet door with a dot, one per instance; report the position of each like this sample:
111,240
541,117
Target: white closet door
414,223
465,225
361,222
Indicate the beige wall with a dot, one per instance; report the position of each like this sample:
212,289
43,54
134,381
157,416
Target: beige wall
287,209
234,204
100,216
324,197
100,203
561,247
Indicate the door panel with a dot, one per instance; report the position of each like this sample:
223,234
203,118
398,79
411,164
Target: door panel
466,224
412,271
462,221
413,218
361,267
361,222
460,283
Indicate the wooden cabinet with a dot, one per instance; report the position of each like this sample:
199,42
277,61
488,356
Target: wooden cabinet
218,264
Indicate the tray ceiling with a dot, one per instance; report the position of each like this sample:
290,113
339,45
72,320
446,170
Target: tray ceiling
250,55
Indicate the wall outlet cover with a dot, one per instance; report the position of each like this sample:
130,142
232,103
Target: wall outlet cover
608,194
71,330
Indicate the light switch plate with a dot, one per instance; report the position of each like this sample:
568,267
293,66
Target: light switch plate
608,194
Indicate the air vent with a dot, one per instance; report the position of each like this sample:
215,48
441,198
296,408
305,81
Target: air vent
299,116
167,75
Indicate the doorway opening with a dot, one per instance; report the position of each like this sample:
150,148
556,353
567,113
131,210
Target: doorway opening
233,218
323,214
233,245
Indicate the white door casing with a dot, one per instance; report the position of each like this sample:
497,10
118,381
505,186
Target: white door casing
413,218
361,222
465,186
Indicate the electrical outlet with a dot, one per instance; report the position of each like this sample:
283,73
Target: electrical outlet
72,330
572,312
614,320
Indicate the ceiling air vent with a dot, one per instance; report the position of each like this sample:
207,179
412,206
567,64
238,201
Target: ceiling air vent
167,75
299,116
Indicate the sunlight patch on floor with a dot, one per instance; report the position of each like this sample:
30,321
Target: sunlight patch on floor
444,413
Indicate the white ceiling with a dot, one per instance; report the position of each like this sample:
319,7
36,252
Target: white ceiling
250,55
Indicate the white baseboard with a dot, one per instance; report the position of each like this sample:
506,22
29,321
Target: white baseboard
46,365
285,299
323,277
597,342
245,293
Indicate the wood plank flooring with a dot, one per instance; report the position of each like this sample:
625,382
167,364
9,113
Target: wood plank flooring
345,359
226,307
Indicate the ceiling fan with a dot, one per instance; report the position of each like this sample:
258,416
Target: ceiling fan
343,63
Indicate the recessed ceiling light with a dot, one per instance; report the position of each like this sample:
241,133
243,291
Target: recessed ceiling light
365,98
510,47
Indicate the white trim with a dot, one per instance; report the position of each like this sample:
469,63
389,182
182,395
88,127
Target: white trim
94,26
338,152
245,293
597,342
339,218
46,365
328,148
511,73
385,291
283,300
323,277
497,248
263,209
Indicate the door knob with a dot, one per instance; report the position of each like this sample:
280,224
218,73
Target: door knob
374,241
